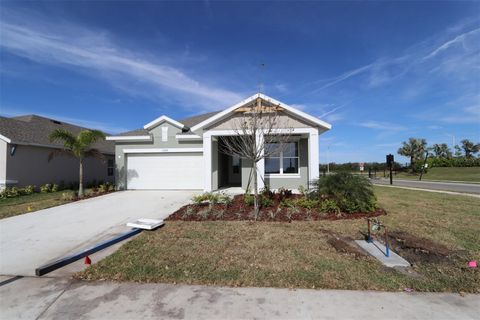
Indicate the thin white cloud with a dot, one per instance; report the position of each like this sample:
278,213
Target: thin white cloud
345,76
470,114
388,145
299,106
333,115
384,126
384,70
460,39
78,48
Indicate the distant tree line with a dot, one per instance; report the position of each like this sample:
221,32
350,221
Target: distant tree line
354,166
439,154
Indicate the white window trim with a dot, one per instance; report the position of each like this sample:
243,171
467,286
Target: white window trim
165,134
163,150
129,138
188,137
282,174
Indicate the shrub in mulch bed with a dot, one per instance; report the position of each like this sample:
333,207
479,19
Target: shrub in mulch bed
276,211
71,196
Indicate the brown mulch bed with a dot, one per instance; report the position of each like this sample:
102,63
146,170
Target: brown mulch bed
420,250
91,195
238,211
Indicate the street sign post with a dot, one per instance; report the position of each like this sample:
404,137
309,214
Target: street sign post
390,162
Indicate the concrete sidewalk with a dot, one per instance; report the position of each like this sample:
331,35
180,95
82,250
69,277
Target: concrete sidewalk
57,298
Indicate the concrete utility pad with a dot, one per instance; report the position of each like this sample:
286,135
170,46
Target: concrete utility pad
377,250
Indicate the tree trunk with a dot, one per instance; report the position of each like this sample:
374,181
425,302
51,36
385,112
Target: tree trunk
80,180
412,163
255,191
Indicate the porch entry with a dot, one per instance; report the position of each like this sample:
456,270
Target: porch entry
229,169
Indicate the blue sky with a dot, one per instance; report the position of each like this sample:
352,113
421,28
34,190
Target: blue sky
380,72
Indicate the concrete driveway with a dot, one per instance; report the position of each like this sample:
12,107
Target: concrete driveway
31,240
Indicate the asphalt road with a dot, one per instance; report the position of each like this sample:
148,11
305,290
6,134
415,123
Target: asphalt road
445,186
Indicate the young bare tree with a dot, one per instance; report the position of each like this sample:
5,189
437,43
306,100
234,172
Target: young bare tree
258,135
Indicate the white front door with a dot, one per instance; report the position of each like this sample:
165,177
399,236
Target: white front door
169,171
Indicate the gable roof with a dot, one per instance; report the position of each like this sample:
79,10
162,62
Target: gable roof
34,130
192,121
161,119
197,122
223,114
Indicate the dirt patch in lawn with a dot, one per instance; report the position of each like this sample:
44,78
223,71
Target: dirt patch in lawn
420,250
237,210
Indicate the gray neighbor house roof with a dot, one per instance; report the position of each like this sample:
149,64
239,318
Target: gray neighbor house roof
34,130
188,122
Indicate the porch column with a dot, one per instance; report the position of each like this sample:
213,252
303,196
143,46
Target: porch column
207,157
313,167
260,164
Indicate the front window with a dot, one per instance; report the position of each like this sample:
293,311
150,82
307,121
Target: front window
110,167
282,160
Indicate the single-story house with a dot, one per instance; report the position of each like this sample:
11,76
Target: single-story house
24,150
185,154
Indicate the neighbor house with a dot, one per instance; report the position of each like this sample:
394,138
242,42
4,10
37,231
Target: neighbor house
185,154
24,150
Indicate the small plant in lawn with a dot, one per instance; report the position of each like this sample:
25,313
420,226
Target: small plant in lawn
265,202
290,212
226,200
284,193
266,192
307,203
29,190
220,214
46,188
105,187
205,213
248,199
189,211
68,195
271,214
329,206
308,214
9,192
287,203
207,197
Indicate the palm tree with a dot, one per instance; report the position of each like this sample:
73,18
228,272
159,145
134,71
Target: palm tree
441,150
469,148
414,148
78,147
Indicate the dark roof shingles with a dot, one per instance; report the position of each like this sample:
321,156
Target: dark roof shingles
188,122
34,130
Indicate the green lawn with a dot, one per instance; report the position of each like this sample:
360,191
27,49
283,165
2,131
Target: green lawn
10,207
469,174
299,254
14,206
